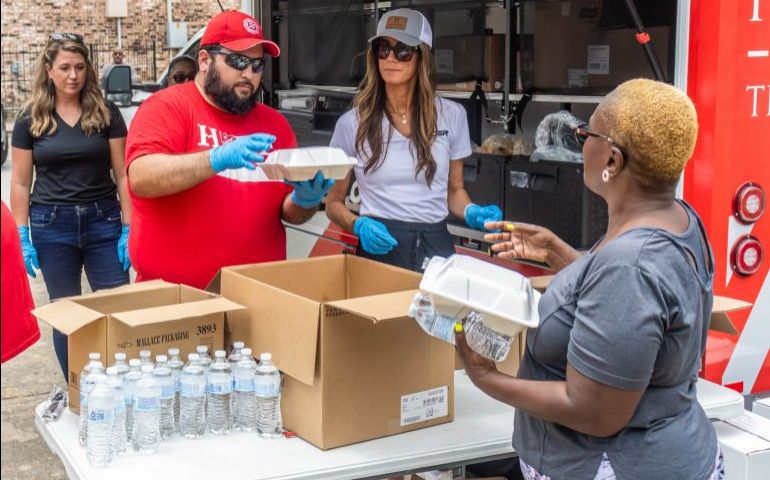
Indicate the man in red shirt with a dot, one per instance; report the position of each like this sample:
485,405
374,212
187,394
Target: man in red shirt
199,202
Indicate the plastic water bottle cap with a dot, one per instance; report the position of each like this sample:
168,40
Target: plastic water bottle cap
144,353
193,356
94,356
134,362
220,353
112,371
238,345
265,356
160,358
120,356
146,368
202,349
173,351
246,352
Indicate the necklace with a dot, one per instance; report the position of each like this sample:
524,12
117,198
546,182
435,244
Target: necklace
403,115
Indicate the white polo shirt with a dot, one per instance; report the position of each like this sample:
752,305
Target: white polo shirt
392,191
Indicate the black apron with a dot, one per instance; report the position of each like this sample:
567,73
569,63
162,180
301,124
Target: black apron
416,243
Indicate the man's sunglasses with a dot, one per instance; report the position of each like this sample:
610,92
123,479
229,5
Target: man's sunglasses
582,133
181,77
402,52
240,62
60,37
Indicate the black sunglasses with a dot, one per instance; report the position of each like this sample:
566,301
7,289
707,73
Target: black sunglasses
181,77
401,51
240,62
582,133
60,37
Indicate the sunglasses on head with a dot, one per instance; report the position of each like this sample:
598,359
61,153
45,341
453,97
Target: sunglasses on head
582,132
401,51
181,77
240,62
60,37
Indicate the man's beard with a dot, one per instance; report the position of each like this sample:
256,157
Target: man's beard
226,98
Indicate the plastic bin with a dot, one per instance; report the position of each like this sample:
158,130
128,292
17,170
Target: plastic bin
461,284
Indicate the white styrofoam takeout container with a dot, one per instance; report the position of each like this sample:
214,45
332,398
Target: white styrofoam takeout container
461,284
297,164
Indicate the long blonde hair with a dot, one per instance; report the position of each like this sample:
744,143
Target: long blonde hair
40,107
370,104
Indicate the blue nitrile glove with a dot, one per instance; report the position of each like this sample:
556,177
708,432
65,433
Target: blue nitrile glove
308,193
476,216
243,152
28,252
374,236
123,249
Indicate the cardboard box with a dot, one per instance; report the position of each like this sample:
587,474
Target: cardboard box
459,58
355,366
745,443
149,315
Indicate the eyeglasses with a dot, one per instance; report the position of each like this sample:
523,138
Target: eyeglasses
60,37
181,77
582,133
401,51
240,62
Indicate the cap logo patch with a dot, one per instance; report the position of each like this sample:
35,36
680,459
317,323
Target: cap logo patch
396,23
251,26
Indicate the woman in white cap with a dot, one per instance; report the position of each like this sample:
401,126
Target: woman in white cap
409,144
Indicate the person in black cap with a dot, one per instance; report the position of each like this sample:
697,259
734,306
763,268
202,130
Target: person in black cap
409,145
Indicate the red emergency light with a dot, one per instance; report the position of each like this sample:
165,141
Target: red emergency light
748,203
746,255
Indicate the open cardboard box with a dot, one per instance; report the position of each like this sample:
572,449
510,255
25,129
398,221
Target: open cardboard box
355,366
153,315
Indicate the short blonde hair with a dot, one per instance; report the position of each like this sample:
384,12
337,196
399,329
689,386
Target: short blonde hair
657,126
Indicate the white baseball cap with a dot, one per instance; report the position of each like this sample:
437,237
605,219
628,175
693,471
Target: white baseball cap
405,25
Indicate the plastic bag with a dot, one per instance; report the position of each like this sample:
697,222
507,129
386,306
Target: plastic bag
505,144
555,138
57,402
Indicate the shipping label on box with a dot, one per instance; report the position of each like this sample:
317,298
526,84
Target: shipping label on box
422,406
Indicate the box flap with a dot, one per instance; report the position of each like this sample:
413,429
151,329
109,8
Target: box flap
66,316
377,308
179,311
720,321
129,288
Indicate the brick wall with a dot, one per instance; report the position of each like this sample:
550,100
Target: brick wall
26,25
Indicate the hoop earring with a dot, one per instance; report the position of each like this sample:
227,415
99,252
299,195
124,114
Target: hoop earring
605,175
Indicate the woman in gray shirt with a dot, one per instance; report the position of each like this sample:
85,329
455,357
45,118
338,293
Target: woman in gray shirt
606,387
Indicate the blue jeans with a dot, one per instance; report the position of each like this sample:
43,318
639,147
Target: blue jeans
69,238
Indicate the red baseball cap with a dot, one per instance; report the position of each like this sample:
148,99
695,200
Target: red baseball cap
237,31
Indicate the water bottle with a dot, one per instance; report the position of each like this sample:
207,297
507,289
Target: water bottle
192,415
176,365
233,359
119,436
129,387
101,422
165,379
161,361
267,387
146,435
432,322
485,341
121,364
203,355
220,388
245,401
145,356
94,366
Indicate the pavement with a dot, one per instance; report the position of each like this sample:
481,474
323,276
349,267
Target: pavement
26,381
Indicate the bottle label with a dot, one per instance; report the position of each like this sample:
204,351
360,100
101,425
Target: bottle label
147,404
424,406
129,399
220,388
244,384
193,389
101,416
168,391
268,387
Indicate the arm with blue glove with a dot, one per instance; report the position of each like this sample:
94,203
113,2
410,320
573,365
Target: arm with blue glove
306,197
28,252
476,215
373,236
123,248
243,152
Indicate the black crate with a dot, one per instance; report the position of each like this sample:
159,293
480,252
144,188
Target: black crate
552,194
483,180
